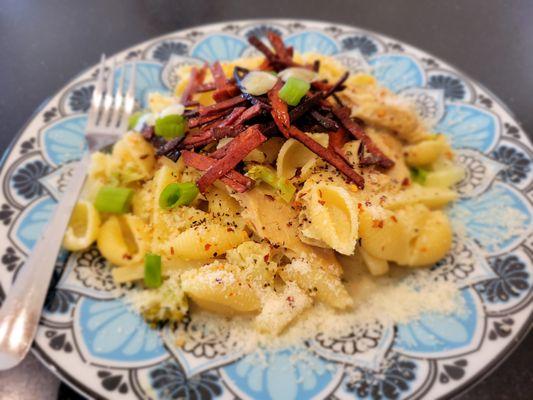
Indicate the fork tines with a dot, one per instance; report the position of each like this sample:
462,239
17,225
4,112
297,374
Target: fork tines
110,107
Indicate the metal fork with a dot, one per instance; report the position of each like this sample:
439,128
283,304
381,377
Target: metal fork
21,312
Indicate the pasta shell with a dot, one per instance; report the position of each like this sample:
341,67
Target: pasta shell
123,240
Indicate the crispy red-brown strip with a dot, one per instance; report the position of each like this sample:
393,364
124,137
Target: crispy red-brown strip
210,134
205,87
279,47
343,114
280,111
337,139
205,119
326,122
233,179
249,113
197,78
240,147
328,155
218,75
223,105
227,92
263,48
338,85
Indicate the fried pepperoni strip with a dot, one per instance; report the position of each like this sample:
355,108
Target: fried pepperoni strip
197,78
280,112
328,155
337,139
279,47
222,106
343,114
337,86
297,112
233,179
239,148
249,113
205,119
214,133
326,122
227,92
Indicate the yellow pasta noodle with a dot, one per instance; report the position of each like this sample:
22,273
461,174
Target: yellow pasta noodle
123,240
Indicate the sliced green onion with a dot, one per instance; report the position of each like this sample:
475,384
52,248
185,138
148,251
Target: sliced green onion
177,194
152,271
257,83
419,175
261,173
293,91
134,119
112,199
170,126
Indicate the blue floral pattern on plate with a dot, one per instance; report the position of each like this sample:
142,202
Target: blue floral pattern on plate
397,72
110,333
96,343
470,127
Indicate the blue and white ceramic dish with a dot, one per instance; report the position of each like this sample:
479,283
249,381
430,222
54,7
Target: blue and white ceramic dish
93,342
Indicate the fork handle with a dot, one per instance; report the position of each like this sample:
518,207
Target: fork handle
21,312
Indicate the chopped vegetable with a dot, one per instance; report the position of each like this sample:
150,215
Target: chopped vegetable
174,109
294,90
152,271
171,126
269,176
258,82
303,74
165,303
177,194
116,200
134,119
419,175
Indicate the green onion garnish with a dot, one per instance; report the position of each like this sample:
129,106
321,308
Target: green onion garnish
113,199
293,91
152,271
134,119
170,126
261,173
419,175
177,194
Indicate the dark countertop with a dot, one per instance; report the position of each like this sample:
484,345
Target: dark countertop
43,44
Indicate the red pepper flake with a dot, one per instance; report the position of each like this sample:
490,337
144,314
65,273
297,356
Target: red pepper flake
359,206
266,257
406,182
394,218
368,203
207,246
230,230
270,197
127,256
172,250
144,156
377,223
322,202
